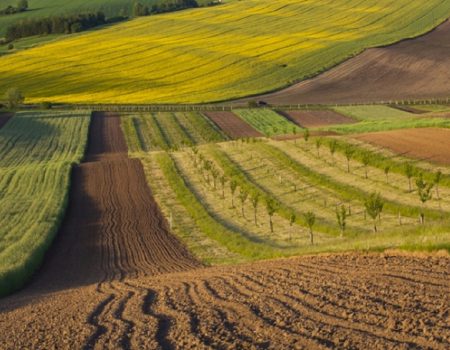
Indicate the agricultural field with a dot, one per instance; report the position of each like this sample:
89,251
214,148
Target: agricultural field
213,54
267,122
232,125
317,118
37,151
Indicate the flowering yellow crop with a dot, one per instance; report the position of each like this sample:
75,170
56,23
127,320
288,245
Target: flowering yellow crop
211,54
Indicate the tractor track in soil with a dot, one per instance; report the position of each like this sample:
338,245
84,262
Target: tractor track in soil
116,278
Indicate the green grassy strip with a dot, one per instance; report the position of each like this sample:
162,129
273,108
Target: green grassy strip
131,136
233,241
345,191
245,181
160,137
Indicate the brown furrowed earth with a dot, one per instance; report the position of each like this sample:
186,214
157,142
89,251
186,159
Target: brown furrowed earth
314,119
4,117
352,301
430,144
411,69
232,125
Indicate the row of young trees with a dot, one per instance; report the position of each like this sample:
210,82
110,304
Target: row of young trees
54,25
140,9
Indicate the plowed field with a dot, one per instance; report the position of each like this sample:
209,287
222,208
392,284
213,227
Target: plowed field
4,117
313,119
341,301
232,125
411,69
431,144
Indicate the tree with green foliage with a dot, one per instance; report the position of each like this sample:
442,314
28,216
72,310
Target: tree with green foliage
22,5
243,195
348,152
271,207
14,98
255,201
292,219
341,215
425,194
233,186
409,172
306,134
366,161
332,145
310,219
374,206
140,9
437,179
318,145
387,169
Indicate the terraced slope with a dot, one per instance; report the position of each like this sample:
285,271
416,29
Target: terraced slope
224,52
322,302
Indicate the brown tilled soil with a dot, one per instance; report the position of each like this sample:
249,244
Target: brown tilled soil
4,117
430,144
232,125
411,69
314,119
324,302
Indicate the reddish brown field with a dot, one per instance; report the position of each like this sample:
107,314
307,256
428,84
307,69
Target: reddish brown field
432,144
117,279
232,125
4,117
411,69
314,119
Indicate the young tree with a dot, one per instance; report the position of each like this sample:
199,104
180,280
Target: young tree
409,172
271,207
341,215
215,174
318,144
332,145
387,169
294,132
292,219
243,195
374,206
22,5
14,98
425,194
310,219
437,180
255,201
306,135
233,185
366,161
348,152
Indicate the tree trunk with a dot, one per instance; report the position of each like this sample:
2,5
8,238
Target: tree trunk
348,166
375,225
409,184
366,174
256,223
271,224
387,179
242,210
311,236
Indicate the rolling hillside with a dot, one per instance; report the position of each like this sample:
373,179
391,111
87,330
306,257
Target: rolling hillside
212,54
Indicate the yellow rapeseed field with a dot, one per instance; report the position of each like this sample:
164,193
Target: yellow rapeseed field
212,54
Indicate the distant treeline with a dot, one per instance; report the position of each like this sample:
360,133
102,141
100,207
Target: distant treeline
55,25
143,10
22,6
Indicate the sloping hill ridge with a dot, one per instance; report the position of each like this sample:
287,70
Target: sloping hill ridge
224,52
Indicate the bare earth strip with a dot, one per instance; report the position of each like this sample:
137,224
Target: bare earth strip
4,117
313,119
323,302
232,125
411,69
431,144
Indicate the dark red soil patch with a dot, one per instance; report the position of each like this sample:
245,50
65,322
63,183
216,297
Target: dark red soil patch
232,125
431,144
314,119
4,118
411,69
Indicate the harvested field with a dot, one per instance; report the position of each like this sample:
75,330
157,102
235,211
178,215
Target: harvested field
411,69
431,144
314,119
4,117
341,301
232,125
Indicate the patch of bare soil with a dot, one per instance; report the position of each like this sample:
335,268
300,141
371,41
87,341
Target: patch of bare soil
4,118
232,125
318,118
351,301
411,69
430,144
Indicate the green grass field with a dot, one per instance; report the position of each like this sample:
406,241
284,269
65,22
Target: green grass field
37,151
220,228
268,122
211,54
